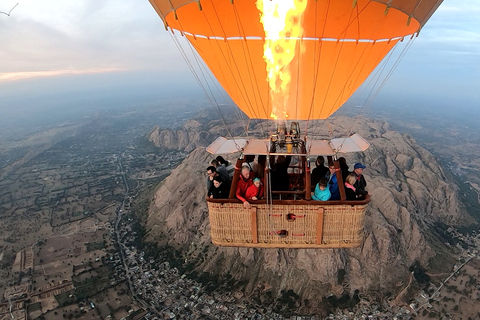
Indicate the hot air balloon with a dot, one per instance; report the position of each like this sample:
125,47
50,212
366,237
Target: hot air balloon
292,60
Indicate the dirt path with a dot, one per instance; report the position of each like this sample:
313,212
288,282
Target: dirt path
398,300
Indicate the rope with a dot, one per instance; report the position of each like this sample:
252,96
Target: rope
239,114
221,70
242,87
334,68
343,89
250,63
403,53
371,98
199,64
197,78
314,59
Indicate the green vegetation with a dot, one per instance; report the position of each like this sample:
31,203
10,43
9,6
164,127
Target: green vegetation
441,229
341,276
90,286
468,197
343,302
34,307
420,275
64,298
77,213
287,303
91,246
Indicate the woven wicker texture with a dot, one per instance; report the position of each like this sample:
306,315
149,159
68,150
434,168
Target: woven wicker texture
342,227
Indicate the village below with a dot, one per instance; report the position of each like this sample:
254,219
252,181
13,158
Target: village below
73,201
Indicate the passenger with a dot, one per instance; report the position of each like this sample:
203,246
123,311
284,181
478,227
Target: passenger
350,191
322,193
250,161
219,189
255,191
259,168
360,183
279,174
228,166
244,182
320,171
221,170
332,182
344,167
212,173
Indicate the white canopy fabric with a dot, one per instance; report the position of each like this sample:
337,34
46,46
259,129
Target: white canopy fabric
354,143
255,146
319,148
225,146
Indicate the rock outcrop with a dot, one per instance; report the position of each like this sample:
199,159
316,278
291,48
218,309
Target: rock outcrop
410,194
197,132
186,139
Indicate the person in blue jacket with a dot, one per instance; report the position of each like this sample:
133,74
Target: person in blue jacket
322,193
332,182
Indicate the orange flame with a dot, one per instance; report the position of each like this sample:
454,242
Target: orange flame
282,22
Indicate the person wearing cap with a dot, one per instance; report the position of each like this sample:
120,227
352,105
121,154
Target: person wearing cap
360,183
255,191
244,182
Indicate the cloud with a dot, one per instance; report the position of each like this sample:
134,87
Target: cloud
78,36
51,38
448,47
12,76
454,21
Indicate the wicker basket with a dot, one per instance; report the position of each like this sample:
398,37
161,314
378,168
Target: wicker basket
288,224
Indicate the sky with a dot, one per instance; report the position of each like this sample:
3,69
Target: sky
63,46
444,59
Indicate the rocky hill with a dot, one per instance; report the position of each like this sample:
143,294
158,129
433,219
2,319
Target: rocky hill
411,198
197,132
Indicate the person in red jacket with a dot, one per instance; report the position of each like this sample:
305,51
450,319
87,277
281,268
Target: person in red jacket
255,191
244,182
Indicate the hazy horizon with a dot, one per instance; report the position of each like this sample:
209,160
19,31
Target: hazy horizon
120,49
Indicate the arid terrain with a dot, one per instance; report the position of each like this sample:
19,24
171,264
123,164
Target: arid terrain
61,191
74,203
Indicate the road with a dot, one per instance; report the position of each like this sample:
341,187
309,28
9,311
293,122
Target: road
118,218
455,271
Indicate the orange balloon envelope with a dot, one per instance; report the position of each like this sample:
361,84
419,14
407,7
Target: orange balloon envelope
341,44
